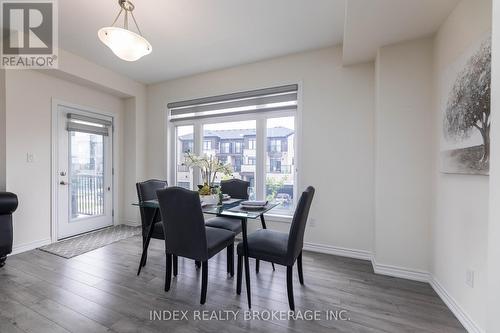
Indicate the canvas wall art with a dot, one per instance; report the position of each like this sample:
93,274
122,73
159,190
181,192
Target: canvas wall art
465,143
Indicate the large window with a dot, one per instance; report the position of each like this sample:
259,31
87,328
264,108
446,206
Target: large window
233,134
184,144
280,158
253,131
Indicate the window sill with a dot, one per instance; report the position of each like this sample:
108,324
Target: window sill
278,218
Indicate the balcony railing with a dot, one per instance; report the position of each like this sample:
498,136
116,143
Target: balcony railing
283,169
248,168
87,195
182,168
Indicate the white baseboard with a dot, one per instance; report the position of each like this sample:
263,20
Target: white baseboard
468,323
400,272
338,251
30,246
130,223
378,268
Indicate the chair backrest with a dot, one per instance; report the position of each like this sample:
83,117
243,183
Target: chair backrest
298,227
8,204
236,188
183,223
147,191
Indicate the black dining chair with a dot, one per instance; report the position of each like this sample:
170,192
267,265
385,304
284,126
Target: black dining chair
147,191
236,189
186,233
280,248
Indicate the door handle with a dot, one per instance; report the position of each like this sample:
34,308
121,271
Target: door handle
62,182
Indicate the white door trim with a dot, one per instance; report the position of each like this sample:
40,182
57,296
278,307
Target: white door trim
54,161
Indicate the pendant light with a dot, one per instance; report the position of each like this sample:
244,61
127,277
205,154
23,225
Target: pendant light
124,43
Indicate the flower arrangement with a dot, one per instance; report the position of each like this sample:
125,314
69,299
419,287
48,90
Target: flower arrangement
209,166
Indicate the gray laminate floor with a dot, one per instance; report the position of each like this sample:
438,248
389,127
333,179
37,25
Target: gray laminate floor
100,292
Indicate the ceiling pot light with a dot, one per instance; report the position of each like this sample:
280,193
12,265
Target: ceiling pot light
124,43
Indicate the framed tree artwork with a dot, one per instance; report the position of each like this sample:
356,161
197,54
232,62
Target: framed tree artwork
465,143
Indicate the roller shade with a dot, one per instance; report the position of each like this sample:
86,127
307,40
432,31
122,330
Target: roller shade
262,100
81,123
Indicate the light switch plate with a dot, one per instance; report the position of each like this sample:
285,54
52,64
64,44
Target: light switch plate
469,278
30,157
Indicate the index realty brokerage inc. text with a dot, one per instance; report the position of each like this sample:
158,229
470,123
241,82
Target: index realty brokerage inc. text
265,315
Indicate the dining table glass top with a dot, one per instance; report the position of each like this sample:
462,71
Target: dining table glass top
229,208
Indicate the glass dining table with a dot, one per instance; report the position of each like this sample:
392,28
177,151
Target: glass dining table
231,208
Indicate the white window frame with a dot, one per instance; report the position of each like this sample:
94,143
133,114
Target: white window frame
207,145
260,146
276,143
225,145
252,144
238,147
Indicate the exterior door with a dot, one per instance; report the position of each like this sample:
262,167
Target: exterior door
84,175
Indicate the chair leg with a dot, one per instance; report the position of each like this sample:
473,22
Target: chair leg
257,266
230,260
175,264
264,226
204,282
145,245
239,275
168,272
146,253
299,266
289,286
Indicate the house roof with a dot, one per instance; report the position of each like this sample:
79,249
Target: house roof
234,134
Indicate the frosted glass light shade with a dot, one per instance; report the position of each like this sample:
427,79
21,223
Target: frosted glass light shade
125,44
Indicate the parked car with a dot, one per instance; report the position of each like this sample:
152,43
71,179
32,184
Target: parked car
283,198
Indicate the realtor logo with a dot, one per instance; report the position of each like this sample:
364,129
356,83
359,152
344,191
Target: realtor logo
29,34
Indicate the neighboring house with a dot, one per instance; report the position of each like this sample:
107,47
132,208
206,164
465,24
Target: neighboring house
238,147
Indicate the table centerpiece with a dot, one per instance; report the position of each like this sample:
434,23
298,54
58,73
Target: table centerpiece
209,166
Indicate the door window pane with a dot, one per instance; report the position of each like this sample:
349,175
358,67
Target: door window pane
280,156
228,142
184,144
86,175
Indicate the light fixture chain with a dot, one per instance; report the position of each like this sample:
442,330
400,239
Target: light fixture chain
136,25
125,20
117,17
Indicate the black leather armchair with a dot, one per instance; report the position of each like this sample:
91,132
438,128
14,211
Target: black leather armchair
8,204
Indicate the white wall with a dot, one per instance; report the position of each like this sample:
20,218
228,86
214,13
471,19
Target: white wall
28,128
460,219
493,300
336,149
78,70
2,130
403,158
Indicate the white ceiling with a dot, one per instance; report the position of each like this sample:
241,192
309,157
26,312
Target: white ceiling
193,36
375,23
